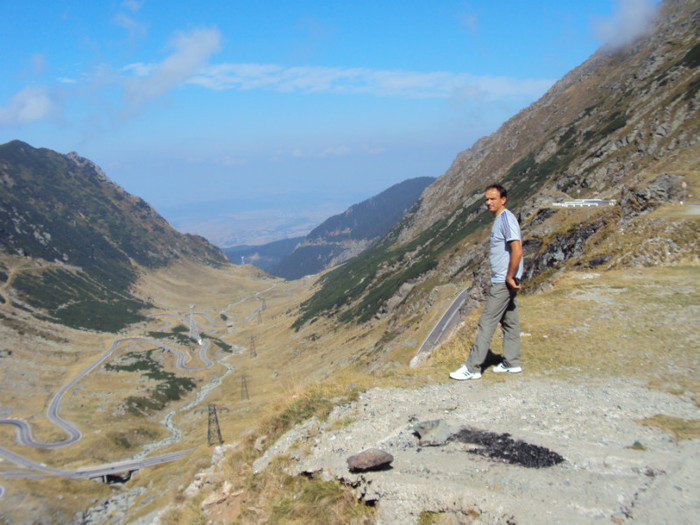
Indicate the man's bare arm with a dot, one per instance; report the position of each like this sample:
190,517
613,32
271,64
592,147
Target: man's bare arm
516,253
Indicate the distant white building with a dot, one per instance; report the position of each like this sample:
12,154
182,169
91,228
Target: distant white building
584,203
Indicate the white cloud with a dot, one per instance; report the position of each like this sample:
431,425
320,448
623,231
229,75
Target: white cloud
383,83
134,28
138,68
631,20
191,53
30,104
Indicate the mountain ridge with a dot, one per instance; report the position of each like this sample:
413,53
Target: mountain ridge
347,234
93,236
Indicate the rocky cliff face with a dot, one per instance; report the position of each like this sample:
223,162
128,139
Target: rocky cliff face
624,125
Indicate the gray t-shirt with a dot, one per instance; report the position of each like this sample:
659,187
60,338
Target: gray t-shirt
505,229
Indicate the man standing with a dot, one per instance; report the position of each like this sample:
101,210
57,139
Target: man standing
506,259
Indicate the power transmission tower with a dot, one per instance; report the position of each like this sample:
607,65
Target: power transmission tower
213,430
260,316
244,389
253,353
194,332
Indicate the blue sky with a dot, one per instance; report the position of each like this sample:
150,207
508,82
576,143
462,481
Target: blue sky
249,121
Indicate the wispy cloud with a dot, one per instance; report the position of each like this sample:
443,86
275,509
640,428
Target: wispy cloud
125,19
191,53
132,5
383,83
139,69
30,104
630,21
189,63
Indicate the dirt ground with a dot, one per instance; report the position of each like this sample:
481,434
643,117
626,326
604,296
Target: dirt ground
615,467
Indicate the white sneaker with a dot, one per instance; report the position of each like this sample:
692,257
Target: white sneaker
500,367
463,373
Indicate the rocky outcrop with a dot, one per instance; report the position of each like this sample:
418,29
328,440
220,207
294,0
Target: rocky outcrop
642,199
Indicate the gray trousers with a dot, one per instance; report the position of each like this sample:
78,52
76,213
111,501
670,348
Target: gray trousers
500,308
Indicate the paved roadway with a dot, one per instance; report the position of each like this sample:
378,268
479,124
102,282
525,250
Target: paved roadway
24,436
38,470
24,433
443,326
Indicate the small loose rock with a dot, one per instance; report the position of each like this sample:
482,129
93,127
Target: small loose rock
371,459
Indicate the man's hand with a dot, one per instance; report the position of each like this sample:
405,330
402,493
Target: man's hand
510,283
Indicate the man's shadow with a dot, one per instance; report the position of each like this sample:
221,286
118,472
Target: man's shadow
491,360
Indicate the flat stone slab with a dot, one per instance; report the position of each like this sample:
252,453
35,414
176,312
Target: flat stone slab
433,433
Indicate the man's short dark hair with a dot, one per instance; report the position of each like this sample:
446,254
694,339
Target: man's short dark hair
502,192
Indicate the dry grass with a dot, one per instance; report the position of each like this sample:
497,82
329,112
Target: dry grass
679,428
273,496
638,323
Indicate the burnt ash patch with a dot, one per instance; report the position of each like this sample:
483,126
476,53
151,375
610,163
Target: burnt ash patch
503,447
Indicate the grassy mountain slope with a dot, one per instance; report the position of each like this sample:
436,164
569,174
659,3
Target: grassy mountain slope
623,125
88,236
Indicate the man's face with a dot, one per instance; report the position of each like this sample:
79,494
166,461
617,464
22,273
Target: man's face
494,202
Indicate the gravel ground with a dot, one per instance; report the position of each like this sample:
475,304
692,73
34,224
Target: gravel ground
614,469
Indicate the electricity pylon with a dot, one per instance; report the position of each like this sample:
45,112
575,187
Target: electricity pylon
253,353
213,430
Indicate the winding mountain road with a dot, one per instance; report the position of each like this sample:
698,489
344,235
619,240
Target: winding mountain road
24,435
